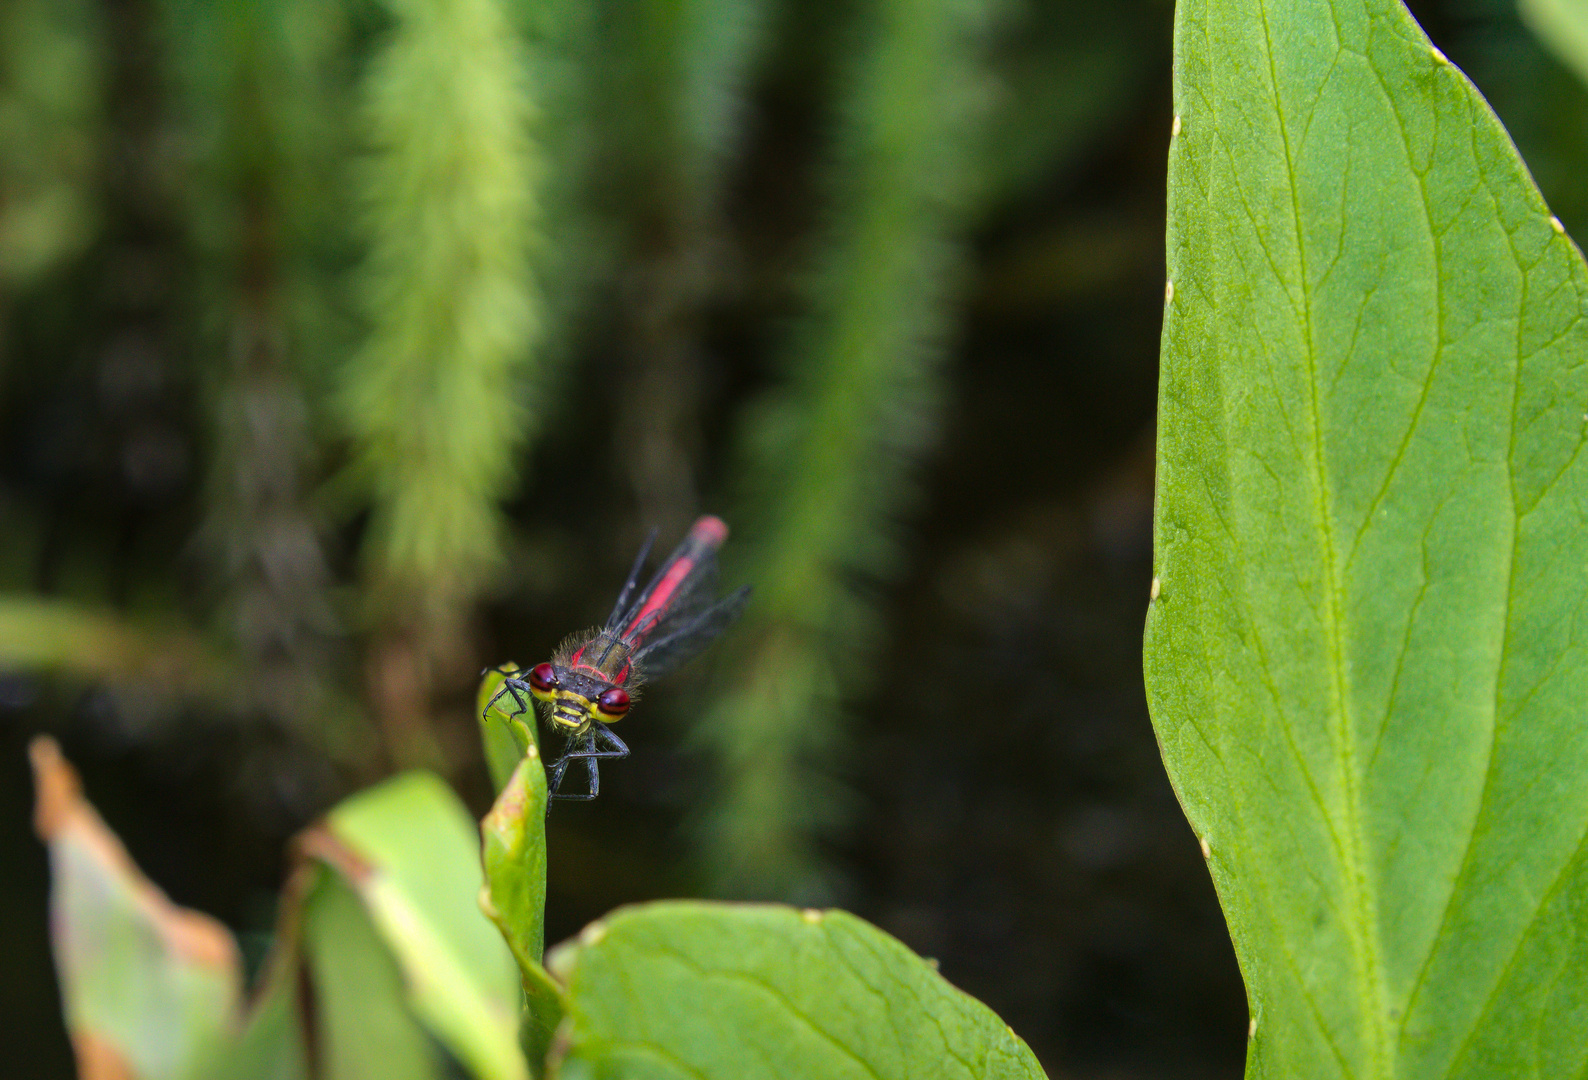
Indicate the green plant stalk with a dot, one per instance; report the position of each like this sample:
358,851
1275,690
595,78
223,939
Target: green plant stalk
51,85
668,90
257,88
829,456
434,400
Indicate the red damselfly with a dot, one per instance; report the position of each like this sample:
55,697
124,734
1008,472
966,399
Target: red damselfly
595,676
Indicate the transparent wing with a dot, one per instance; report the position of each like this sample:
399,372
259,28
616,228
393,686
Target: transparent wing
622,606
683,587
679,640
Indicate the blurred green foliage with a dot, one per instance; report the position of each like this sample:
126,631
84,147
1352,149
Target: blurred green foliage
377,243
52,59
829,453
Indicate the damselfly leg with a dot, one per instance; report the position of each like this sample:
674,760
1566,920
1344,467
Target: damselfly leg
588,748
514,686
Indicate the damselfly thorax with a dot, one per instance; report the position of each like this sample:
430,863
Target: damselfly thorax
593,678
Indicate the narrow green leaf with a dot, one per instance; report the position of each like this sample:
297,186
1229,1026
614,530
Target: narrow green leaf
272,1044
410,851
151,990
365,1029
1363,658
514,835
688,989
1563,26
47,634
506,733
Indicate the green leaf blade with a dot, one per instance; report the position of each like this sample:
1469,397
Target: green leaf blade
1562,25
689,989
409,850
1361,662
363,1023
149,988
514,852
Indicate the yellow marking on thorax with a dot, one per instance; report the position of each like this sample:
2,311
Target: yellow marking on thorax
571,710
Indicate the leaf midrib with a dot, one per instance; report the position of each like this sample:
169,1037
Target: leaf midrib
1362,901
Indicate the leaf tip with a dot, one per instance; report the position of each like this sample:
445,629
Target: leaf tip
1556,224
1174,128
811,915
1152,593
1439,57
98,1059
560,961
55,785
1251,1028
593,934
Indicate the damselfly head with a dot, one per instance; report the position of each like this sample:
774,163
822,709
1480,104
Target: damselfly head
576,695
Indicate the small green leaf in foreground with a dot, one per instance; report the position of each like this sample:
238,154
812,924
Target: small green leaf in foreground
739,992
410,852
514,851
151,989
1368,656
514,835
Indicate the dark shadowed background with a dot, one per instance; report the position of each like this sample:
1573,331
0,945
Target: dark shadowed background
307,413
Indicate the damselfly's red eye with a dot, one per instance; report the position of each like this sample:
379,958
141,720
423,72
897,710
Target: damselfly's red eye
614,702
543,677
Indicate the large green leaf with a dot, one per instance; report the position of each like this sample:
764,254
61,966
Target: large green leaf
411,853
1364,661
272,1044
697,990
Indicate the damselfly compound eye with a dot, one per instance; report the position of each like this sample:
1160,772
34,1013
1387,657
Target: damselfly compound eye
543,680
614,702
